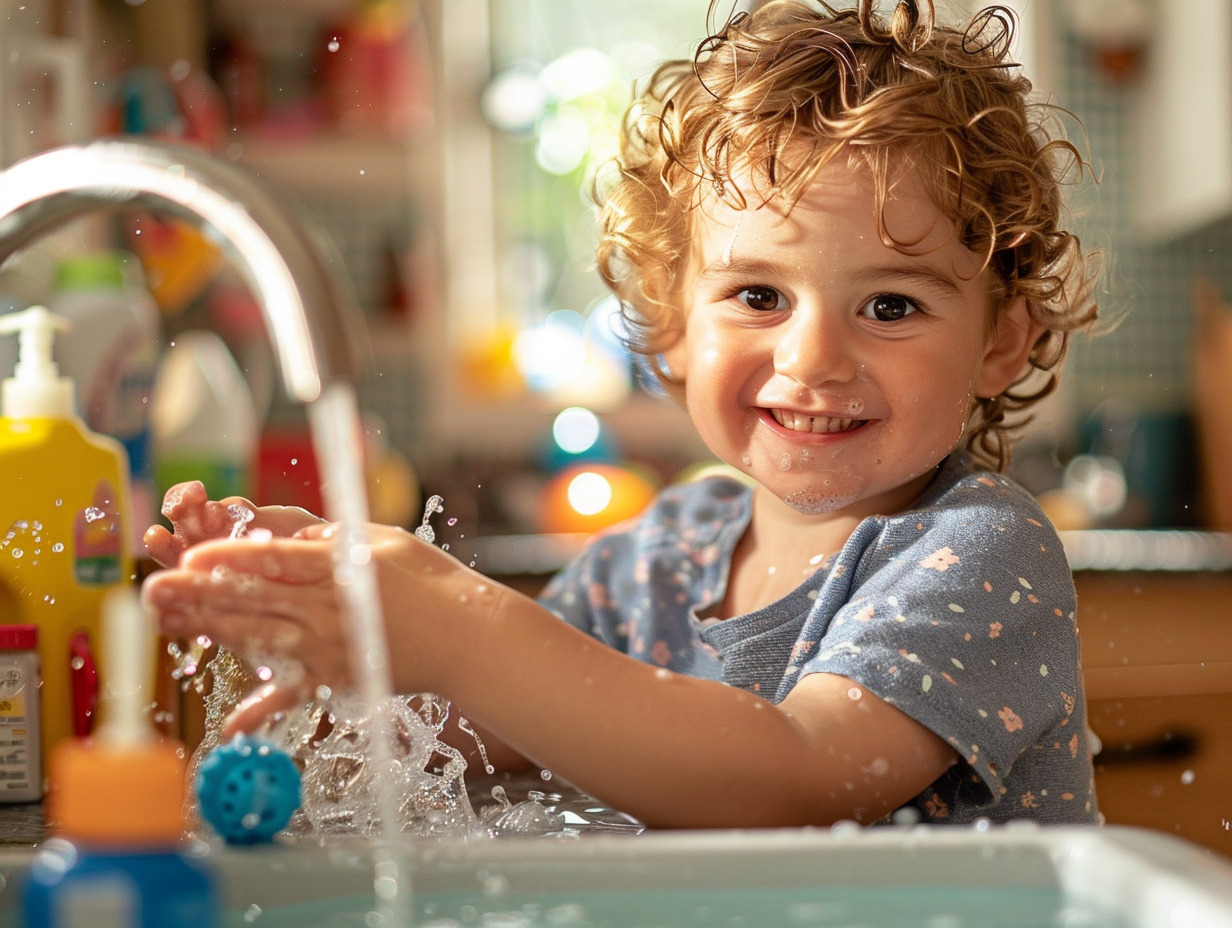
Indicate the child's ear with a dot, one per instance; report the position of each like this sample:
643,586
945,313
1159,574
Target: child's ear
675,357
1007,348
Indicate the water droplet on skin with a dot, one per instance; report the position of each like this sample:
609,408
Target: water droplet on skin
855,693
240,516
17,552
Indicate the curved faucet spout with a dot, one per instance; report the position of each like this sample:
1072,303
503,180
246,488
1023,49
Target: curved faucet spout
313,321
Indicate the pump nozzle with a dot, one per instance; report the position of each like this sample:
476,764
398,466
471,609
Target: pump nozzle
128,654
36,390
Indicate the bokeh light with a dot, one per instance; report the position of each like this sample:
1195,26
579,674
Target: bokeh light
593,496
575,430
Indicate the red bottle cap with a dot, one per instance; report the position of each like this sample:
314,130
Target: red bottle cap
18,637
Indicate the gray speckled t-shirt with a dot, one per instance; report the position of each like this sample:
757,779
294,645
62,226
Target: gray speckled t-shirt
959,612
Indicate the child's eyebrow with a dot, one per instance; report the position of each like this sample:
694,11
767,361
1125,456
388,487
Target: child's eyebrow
744,267
921,275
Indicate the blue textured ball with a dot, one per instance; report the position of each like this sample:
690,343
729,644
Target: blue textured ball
248,790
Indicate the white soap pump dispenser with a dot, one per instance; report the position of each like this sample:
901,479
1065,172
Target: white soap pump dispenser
36,390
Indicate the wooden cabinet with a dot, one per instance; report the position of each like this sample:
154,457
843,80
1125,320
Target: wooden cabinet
1157,656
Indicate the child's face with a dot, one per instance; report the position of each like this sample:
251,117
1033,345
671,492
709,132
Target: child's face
834,370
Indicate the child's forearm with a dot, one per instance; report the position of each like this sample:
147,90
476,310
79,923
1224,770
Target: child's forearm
673,751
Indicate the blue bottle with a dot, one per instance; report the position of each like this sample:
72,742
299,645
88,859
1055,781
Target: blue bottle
116,809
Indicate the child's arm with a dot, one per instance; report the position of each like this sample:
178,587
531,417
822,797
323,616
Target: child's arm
672,750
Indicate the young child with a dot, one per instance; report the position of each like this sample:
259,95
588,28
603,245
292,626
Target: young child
840,241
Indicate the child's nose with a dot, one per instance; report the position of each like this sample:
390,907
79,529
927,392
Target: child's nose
814,350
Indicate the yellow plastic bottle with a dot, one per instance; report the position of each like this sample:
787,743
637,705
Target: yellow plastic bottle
64,522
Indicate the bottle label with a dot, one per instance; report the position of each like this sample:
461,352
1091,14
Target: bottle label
98,540
18,727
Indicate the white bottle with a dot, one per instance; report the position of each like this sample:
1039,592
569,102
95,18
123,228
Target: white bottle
204,419
111,352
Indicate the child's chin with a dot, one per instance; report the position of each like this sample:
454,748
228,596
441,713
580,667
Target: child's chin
815,501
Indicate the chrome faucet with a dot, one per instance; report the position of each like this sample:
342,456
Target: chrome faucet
312,318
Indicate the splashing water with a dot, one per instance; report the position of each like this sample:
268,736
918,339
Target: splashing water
465,725
424,531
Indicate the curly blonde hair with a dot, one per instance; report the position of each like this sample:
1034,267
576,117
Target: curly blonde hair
777,93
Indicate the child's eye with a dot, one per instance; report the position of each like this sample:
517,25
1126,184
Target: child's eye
762,299
888,307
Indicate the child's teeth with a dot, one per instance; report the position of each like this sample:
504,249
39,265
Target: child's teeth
799,423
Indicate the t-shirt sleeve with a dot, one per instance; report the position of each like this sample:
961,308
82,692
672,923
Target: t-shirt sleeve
963,618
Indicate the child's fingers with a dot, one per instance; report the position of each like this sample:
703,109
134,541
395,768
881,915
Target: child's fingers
184,497
163,547
259,706
294,561
255,617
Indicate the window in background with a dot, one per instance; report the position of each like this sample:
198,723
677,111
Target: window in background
562,75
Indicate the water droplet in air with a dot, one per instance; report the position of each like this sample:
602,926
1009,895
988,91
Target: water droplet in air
1187,777
452,520
425,531
545,775
334,44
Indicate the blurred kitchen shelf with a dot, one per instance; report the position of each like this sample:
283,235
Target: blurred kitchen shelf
373,167
318,8
1158,550
643,427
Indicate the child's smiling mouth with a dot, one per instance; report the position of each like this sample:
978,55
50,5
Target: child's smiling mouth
822,425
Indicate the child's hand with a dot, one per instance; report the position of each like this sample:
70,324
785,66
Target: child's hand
195,518
276,596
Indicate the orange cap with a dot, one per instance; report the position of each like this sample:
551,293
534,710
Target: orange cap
118,796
